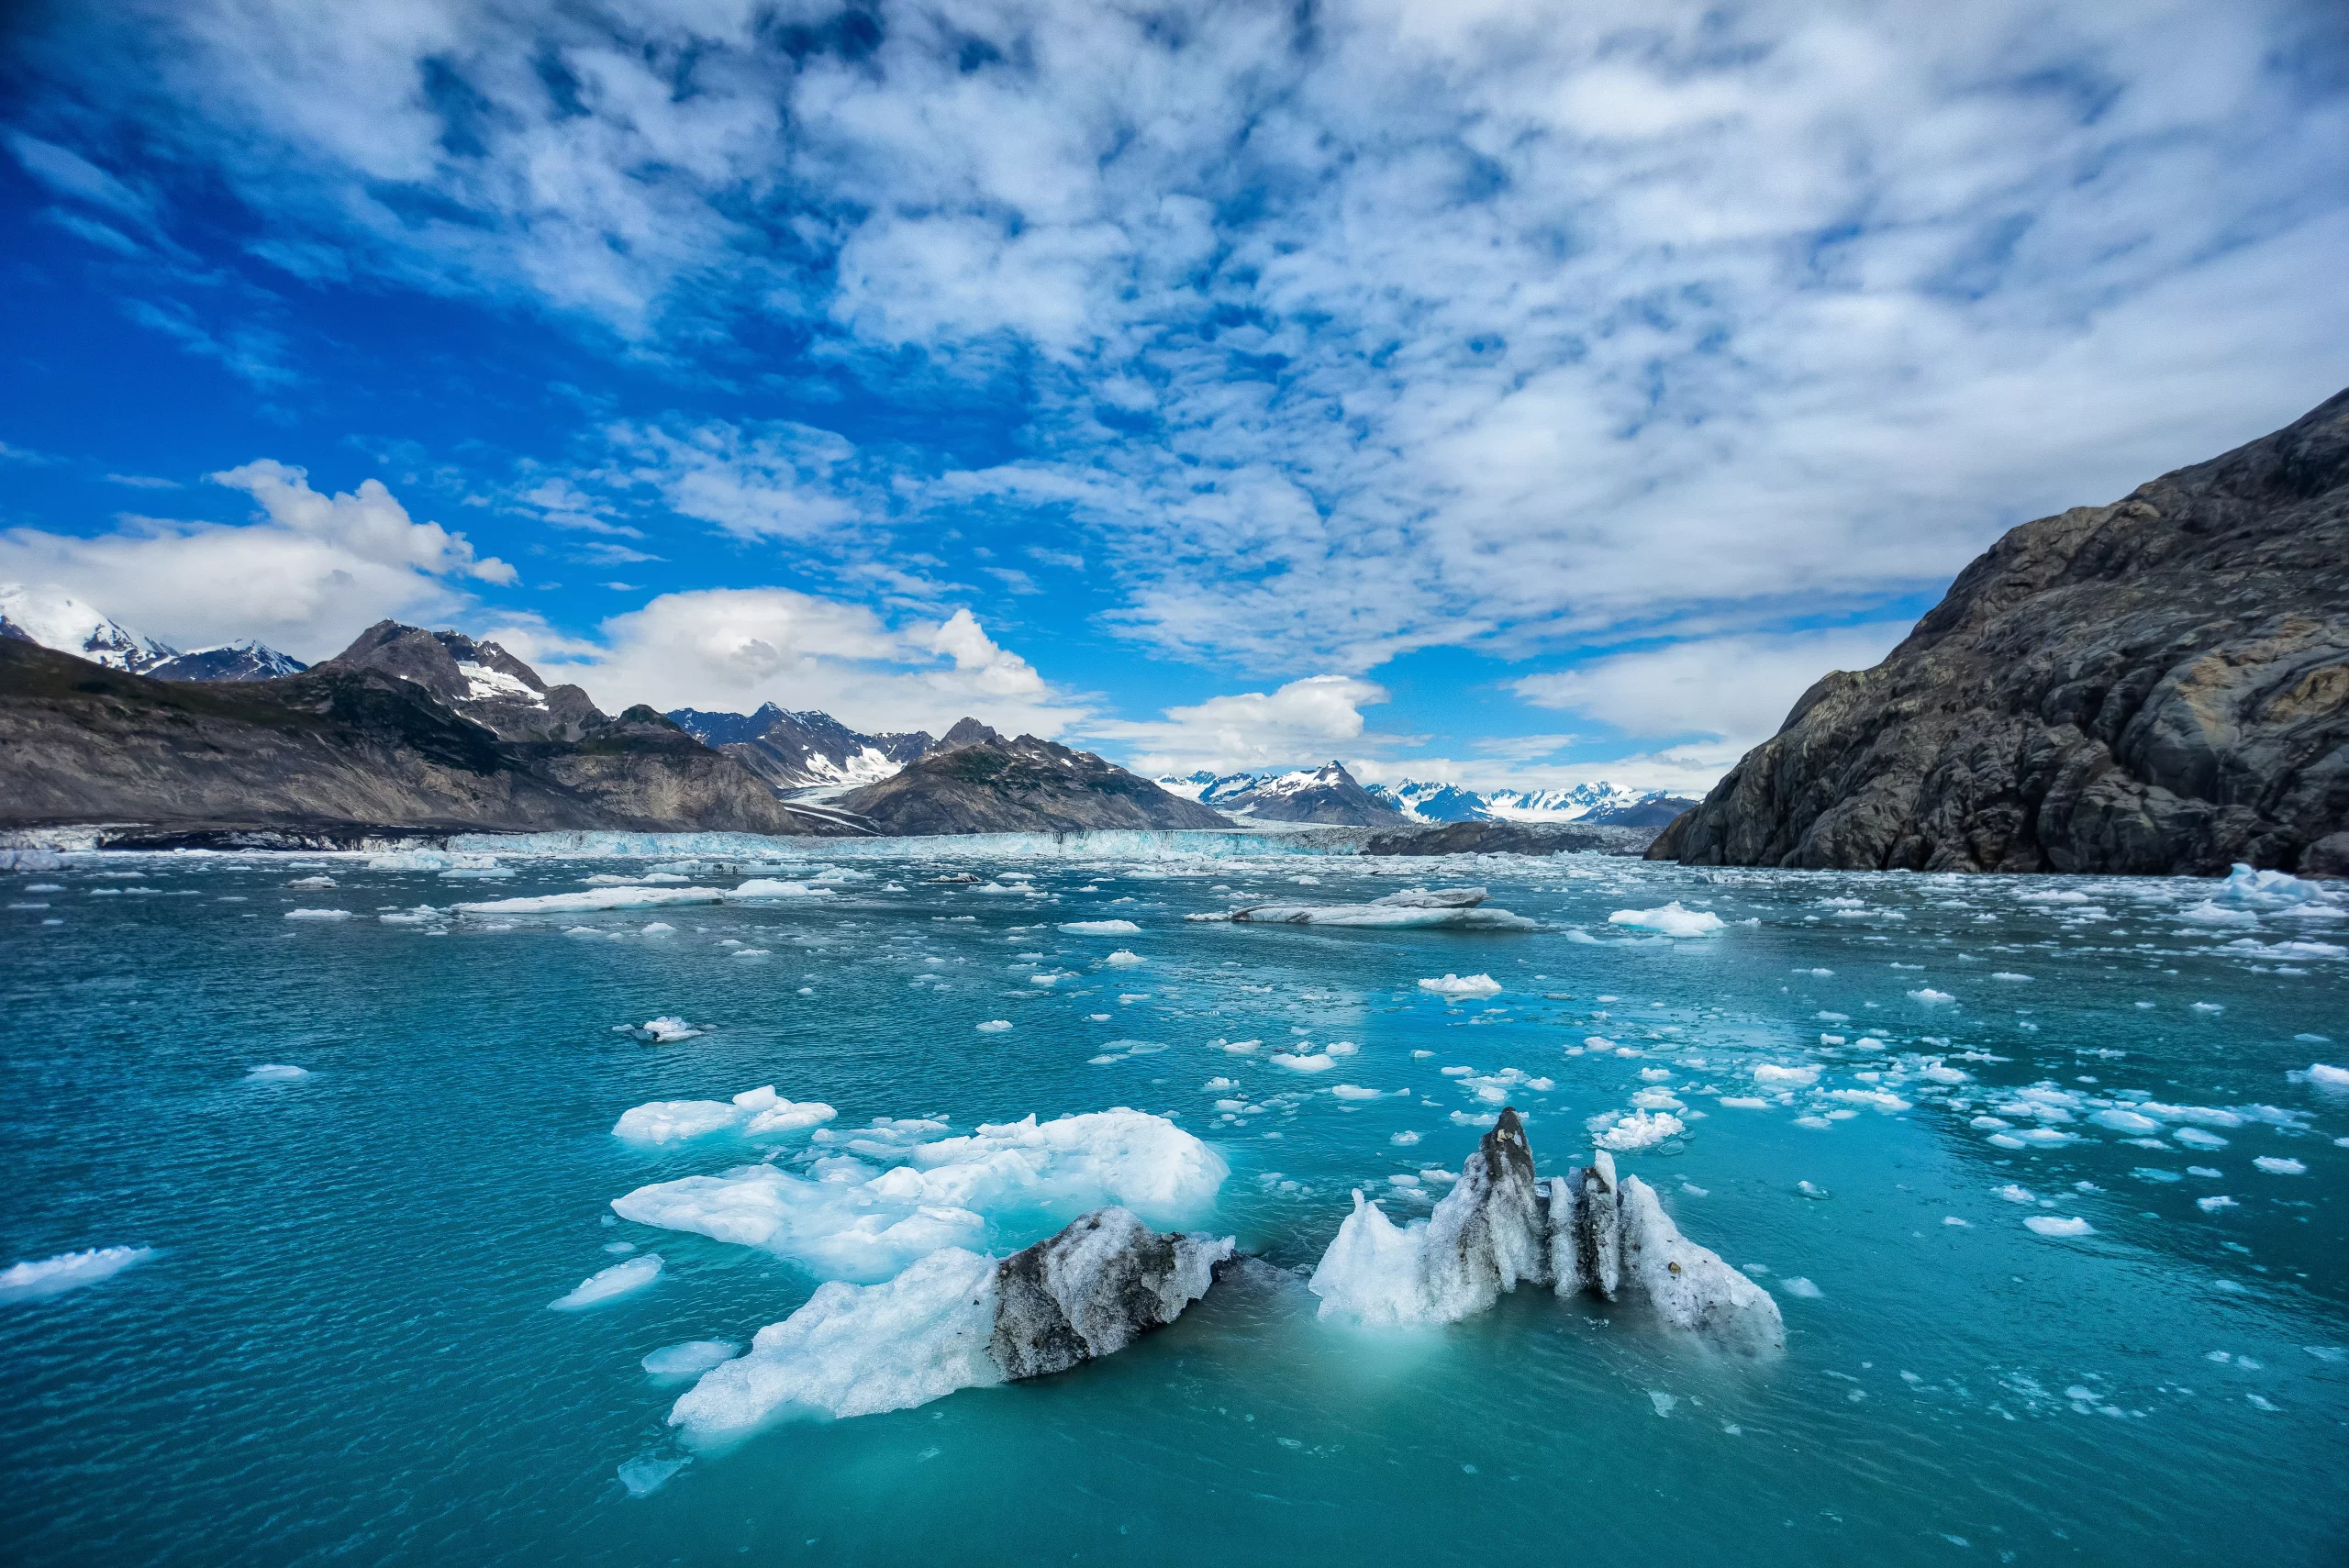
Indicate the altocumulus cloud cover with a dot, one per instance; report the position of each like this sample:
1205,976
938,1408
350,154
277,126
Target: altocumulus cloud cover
1506,393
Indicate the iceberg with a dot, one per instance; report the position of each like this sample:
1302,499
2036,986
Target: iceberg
1499,1227
1101,928
959,1319
1462,986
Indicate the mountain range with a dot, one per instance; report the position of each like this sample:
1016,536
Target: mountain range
52,618
1270,797
818,775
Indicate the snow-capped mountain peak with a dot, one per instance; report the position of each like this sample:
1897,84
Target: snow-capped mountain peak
54,618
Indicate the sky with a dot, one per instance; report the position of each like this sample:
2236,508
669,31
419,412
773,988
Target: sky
1510,394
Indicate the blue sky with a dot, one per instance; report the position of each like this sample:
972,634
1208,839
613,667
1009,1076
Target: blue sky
1513,393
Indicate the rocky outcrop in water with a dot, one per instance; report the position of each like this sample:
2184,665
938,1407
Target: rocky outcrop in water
1588,1232
974,781
1497,837
1092,1290
2158,686
338,755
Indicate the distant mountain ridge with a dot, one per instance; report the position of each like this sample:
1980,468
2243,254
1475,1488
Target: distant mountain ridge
972,780
55,619
1598,803
1328,795
802,751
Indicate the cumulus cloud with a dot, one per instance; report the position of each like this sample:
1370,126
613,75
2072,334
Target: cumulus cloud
1305,721
1724,688
305,576
733,648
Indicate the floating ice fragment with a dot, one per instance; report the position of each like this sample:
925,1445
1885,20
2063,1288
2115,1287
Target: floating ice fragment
2212,1204
275,1072
2048,1224
648,1473
1316,1063
1124,959
1458,986
318,915
1780,1076
1356,1092
1662,1401
1403,1140
32,1280
1104,928
605,1284
1798,1286
997,1026
754,1111
2328,1077
2014,1194
955,1319
2121,1120
691,1359
2276,1165
1930,997
2195,1137
1641,1129
1671,920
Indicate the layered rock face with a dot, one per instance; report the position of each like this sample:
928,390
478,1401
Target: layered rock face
241,660
1588,1232
2158,686
336,753
974,781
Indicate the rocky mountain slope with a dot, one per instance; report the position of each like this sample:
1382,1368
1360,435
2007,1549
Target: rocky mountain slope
54,618
974,781
2158,686
479,680
1420,801
802,751
341,752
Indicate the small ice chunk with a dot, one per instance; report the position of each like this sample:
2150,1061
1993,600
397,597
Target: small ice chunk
1798,1286
1779,1076
2276,1165
1662,1401
2328,1077
648,1473
2212,1204
1670,920
1641,1129
993,1026
2121,1120
275,1072
2195,1137
318,915
1403,1140
616,1280
34,1279
1458,986
1930,996
1356,1092
1124,957
691,1359
2014,1194
1103,929
2048,1224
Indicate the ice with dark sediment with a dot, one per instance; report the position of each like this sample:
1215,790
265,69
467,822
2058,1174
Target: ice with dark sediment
960,1319
1589,1231
1419,909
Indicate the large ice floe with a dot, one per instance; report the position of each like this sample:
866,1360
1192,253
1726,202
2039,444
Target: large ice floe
870,1200
959,1319
640,896
1500,1227
1447,909
1670,920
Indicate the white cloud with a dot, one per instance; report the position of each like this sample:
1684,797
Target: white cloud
1344,330
1726,688
1306,721
733,648
306,577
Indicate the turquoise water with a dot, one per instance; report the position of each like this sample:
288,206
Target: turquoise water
340,1347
